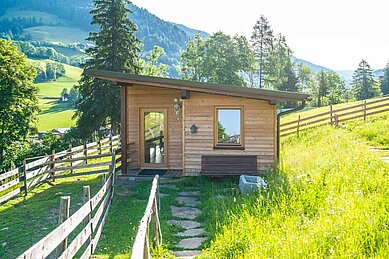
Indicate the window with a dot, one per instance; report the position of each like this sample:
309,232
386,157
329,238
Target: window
228,127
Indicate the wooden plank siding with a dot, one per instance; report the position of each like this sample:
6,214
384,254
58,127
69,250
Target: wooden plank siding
199,109
140,97
259,130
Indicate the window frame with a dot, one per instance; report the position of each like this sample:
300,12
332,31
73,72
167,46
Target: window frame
216,144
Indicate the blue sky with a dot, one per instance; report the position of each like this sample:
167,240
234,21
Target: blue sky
230,120
334,33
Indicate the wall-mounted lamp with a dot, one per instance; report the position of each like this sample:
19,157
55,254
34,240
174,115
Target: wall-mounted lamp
194,129
177,106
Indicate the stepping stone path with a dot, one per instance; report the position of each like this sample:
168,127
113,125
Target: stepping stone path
185,215
168,185
188,201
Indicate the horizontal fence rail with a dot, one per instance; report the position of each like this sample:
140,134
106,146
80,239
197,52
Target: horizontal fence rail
141,248
73,162
92,216
336,116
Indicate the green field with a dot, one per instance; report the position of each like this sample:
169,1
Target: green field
310,111
329,200
64,34
54,114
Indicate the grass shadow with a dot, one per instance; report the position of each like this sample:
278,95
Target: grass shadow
57,106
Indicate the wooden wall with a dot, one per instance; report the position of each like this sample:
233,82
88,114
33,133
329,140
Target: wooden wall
259,126
259,129
152,97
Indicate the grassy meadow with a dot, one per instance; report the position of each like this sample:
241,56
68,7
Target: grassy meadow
54,114
329,199
64,34
311,111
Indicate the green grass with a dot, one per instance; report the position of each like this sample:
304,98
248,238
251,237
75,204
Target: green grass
54,114
24,221
64,34
375,130
330,199
315,111
123,219
68,51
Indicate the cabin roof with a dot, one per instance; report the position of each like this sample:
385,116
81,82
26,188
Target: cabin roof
220,89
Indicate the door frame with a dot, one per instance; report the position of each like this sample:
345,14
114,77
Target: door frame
142,138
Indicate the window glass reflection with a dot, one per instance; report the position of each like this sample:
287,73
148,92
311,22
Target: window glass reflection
229,126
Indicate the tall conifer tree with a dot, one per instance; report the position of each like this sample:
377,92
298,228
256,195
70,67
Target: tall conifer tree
363,82
384,84
262,40
116,49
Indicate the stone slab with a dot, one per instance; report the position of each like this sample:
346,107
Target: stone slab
187,254
170,186
191,193
221,197
191,243
185,212
186,224
194,232
188,201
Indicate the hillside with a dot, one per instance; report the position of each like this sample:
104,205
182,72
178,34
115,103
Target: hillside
55,114
68,21
326,201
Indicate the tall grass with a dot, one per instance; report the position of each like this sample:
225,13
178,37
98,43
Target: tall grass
329,199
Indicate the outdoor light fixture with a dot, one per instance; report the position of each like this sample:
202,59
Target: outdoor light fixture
177,106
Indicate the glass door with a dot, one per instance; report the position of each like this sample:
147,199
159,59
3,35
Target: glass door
154,138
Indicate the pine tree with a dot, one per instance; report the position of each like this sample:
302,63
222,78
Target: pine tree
262,40
363,82
116,49
322,87
384,84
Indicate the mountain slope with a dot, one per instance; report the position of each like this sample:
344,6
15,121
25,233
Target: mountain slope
69,21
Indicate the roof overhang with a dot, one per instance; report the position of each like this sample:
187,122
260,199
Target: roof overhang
125,79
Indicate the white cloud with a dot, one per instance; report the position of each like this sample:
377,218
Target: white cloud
332,33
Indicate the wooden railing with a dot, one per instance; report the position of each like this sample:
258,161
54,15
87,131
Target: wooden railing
91,215
58,165
335,116
141,248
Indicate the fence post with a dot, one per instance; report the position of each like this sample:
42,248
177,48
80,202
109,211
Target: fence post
336,120
110,143
52,165
331,114
25,177
154,224
364,110
70,156
64,207
298,126
85,199
85,153
99,146
103,179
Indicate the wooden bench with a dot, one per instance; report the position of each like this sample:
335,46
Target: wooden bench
228,165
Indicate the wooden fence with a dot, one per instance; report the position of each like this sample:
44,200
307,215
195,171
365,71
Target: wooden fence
67,163
141,248
92,215
335,116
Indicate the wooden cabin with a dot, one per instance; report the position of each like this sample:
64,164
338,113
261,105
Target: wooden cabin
196,128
